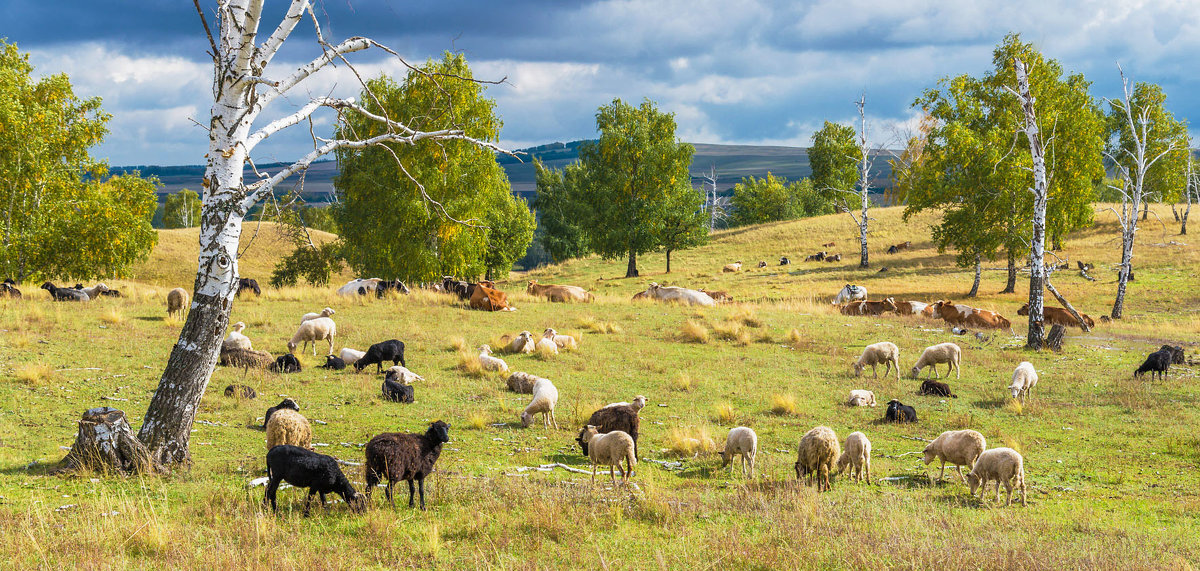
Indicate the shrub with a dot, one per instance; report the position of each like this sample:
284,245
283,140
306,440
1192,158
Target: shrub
783,404
693,332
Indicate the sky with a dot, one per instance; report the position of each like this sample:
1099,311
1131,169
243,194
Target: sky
732,71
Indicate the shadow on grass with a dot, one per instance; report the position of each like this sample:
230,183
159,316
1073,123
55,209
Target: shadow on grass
150,318
990,403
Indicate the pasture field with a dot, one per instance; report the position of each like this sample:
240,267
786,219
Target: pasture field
1111,462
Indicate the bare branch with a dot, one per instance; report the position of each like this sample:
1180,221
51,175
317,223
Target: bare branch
265,53
207,32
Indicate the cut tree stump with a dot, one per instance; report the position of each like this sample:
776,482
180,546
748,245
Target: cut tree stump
106,443
1054,339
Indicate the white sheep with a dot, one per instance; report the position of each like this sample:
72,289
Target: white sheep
743,441
861,397
1002,465
562,341
545,396
639,402
958,447
522,343
311,331
884,352
401,374
948,353
351,355
608,450
327,312
286,426
177,302
547,345
236,340
490,363
1024,378
857,456
95,291
817,456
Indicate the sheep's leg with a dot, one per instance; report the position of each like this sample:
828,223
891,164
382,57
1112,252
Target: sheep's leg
960,474
308,500
997,490
867,464
272,487
942,476
388,490
553,420
421,486
412,490
874,370
323,504
957,370
593,473
330,345
1008,487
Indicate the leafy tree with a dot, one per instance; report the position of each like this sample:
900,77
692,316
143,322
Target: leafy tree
631,173
510,231
834,160
683,224
316,264
559,211
906,167
182,209
758,200
1166,178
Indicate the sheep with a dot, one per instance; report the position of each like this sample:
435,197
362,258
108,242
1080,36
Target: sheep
743,441
816,456
401,374
250,284
287,426
884,352
948,353
177,302
1023,380
242,391
958,447
784,261
609,449
9,290
762,264
545,396
561,341
327,312
639,402
931,387
311,331
522,343
285,364
397,392
111,293
490,363
546,344
900,412
610,418
350,356
734,267
94,291
520,382
857,456
404,456
334,363
1178,357
288,404
245,358
65,293
861,397
307,469
1158,362
1002,465
236,340
390,350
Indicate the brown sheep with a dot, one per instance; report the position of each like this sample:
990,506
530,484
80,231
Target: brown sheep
404,456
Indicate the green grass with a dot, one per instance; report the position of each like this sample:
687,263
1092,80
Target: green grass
1111,462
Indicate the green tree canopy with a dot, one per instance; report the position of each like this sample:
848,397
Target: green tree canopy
758,200
1166,179
559,212
182,209
683,223
510,231
834,158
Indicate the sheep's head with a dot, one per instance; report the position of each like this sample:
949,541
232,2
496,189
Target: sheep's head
483,349
357,501
239,326
549,333
973,480
726,457
639,402
526,419
292,348
327,311
1015,389
929,454
801,471
439,431
858,367
916,372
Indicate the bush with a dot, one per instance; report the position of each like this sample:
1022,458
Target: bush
315,265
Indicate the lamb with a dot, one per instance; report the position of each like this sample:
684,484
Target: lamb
306,469
1023,380
816,456
734,267
177,302
287,426
390,350
241,391
522,343
612,418
546,344
288,404
334,363
245,359
639,402
401,374
609,449
857,456
404,456
397,392
1158,362
884,352
934,388
490,363
1002,465
236,340
520,382
327,312
561,341
900,412
64,293
861,397
948,353
285,364
958,447
311,331
743,441
248,284
9,290
350,356
545,396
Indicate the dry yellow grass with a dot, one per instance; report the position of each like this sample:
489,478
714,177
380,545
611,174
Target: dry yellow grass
783,404
35,373
112,317
690,441
477,420
693,331
724,413
468,363
682,382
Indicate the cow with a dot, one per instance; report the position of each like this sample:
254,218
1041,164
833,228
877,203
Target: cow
897,247
488,298
869,307
718,296
817,257
1059,316
359,286
784,261
679,294
734,267
559,293
911,307
956,314
850,293
829,245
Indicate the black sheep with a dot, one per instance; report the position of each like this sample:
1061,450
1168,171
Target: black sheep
1177,354
1158,362
285,403
385,286
934,388
111,293
899,412
64,293
390,350
307,469
286,364
240,390
248,284
397,392
398,456
610,419
333,362
7,290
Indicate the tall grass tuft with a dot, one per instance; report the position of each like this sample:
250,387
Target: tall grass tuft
690,441
35,373
682,382
693,332
746,316
112,317
468,363
723,413
477,420
590,323
457,344
782,404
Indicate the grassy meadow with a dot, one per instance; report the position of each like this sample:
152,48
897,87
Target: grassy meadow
1111,463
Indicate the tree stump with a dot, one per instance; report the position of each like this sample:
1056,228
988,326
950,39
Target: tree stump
1054,339
106,443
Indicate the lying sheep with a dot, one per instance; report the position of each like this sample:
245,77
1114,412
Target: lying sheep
520,382
562,341
547,345
639,402
522,343
94,291
285,364
286,426
957,447
884,352
245,359
306,469
1002,465
311,331
350,356
545,397
240,391
900,412
65,293
490,363
861,397
397,456
609,450
741,441
816,456
397,392
333,363
948,353
734,267
327,312
177,302
235,339
934,388
1023,380
857,456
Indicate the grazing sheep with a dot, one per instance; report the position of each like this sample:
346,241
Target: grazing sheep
242,391
1158,362
609,449
1002,465
857,456
351,356
948,353
177,302
64,293
884,352
1177,354
333,363
522,343
236,340
816,456
400,456
490,363
639,402
861,397
545,396
900,412
327,312
610,418
245,359
743,441
519,382
401,374
248,284
546,344
288,404
287,426
285,364
1023,380
307,469
850,293
734,267
311,331
390,350
562,341
397,392
957,447
934,388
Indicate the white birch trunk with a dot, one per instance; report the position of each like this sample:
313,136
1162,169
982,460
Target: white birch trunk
864,183
1037,253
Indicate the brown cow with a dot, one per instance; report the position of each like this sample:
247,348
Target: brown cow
912,308
897,247
829,245
559,293
956,314
1059,316
488,298
833,258
869,307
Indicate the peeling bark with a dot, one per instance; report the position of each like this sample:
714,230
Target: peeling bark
978,274
1037,255
105,443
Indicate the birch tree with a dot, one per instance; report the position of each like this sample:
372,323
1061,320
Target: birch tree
245,84
1040,190
1191,190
